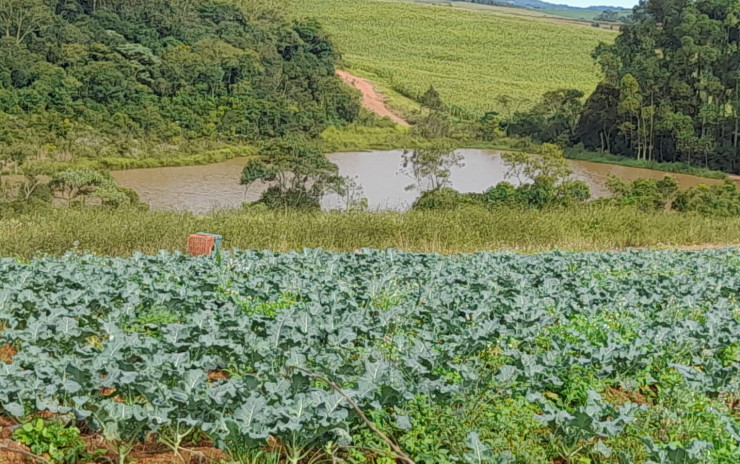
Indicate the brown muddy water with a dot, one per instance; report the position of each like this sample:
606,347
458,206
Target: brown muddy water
201,189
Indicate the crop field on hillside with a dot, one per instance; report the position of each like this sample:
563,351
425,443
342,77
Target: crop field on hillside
471,57
573,14
592,357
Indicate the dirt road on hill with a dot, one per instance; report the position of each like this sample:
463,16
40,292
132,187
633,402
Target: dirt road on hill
371,99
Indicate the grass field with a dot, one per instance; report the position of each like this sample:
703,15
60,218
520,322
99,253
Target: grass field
471,57
113,232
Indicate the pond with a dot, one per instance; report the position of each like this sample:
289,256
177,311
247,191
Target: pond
216,186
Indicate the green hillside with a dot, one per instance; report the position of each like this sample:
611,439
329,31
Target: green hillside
82,79
471,57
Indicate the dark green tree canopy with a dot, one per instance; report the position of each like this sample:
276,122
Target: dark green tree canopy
672,86
177,69
296,172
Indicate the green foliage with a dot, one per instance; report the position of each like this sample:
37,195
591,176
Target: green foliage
62,444
553,120
355,137
548,165
433,125
71,185
443,198
645,194
293,198
478,358
114,79
716,200
503,193
608,16
297,172
431,100
657,104
80,185
571,192
587,227
577,152
544,182
430,166
538,194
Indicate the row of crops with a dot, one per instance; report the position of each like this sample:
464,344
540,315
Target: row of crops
557,357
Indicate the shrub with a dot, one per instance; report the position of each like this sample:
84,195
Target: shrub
718,200
294,198
572,191
645,194
502,193
443,198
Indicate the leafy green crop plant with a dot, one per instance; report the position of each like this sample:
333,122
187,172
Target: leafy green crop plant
61,443
465,358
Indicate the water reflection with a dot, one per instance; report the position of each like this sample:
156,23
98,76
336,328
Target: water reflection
216,186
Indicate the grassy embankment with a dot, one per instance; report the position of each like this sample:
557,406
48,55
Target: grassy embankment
608,158
587,228
153,161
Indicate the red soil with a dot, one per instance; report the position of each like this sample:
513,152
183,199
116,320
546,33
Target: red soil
371,99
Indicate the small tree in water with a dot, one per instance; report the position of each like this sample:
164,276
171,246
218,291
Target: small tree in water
297,173
430,167
548,165
353,195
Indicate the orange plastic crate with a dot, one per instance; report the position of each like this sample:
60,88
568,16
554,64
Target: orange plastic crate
201,244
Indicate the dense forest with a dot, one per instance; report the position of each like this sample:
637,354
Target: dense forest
671,90
81,76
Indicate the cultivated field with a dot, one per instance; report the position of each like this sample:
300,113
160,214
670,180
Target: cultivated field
485,358
471,57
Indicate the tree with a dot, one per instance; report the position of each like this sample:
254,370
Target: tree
553,119
436,123
608,16
598,119
352,195
432,100
630,104
509,106
547,166
32,183
124,78
80,184
644,194
675,65
297,173
430,167
21,18
488,125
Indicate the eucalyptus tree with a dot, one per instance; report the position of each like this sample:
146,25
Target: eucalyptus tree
674,67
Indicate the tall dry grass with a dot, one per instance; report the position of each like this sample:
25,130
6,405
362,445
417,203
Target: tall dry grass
586,228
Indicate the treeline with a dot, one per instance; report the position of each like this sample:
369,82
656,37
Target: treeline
80,76
671,90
